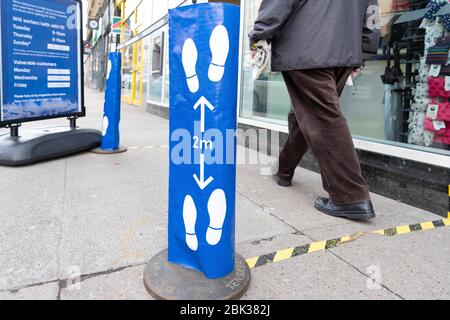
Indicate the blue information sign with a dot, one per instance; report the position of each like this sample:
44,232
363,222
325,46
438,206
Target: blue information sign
204,46
41,60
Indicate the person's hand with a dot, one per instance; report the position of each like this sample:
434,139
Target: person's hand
356,72
253,49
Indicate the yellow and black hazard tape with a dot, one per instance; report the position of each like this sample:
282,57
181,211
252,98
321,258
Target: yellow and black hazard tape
413,228
289,253
299,251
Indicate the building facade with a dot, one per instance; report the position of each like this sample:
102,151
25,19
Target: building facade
99,39
404,147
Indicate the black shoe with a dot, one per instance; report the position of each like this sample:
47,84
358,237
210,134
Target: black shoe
357,211
282,182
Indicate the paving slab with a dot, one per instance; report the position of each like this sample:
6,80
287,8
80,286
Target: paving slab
112,227
28,252
120,170
127,284
41,292
294,205
31,199
413,265
316,276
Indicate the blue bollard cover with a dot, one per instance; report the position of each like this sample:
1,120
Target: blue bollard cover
203,48
111,117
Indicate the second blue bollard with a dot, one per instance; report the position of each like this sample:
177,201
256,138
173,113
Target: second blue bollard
111,117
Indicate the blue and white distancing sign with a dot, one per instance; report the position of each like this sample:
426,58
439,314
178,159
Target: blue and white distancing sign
204,47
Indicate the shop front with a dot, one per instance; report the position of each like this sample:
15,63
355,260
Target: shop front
398,110
388,104
96,62
403,141
144,43
143,47
100,40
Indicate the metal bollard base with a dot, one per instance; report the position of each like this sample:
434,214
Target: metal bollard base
41,144
107,152
167,281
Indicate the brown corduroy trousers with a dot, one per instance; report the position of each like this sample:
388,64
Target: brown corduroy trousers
316,122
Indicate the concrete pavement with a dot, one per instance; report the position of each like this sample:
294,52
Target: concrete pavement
104,217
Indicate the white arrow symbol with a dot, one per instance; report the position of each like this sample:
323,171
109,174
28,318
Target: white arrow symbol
201,182
203,102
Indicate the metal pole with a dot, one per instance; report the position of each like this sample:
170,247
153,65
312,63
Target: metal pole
73,123
14,131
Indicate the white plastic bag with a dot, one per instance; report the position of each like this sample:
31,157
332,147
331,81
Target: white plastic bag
261,60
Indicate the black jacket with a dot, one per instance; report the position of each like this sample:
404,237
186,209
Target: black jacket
309,34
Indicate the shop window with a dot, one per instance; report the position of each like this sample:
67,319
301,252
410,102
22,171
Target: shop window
158,55
127,29
396,100
156,74
166,75
265,99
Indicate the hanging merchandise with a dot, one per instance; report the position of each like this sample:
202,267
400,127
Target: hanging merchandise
424,70
400,5
420,104
431,99
436,87
446,21
428,138
438,54
442,111
433,8
416,135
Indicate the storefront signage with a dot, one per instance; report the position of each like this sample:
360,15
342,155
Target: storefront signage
41,60
93,24
116,25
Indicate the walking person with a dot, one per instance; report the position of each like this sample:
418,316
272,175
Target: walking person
317,45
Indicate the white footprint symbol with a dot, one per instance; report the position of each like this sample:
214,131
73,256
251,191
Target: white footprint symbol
189,58
217,210
217,204
105,125
190,218
220,47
